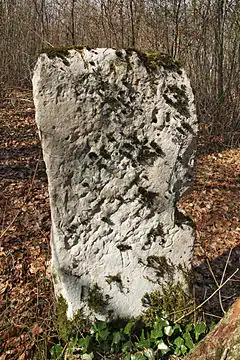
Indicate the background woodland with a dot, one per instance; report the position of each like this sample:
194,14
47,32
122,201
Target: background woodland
203,34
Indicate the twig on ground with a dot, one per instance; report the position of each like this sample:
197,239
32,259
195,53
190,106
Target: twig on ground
224,355
216,282
212,315
204,302
223,276
4,214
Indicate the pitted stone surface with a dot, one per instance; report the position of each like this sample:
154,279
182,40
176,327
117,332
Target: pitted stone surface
118,140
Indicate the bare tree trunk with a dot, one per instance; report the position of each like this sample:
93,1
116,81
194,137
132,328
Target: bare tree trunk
121,14
132,23
73,22
220,46
219,56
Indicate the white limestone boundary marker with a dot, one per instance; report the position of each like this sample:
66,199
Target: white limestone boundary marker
118,132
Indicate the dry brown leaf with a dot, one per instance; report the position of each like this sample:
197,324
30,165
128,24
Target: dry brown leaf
36,330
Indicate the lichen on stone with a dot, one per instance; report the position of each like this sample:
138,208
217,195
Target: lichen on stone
180,102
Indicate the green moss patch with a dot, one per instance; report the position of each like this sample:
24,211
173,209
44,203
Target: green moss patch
67,327
154,60
162,266
154,337
96,300
151,60
63,325
170,301
62,52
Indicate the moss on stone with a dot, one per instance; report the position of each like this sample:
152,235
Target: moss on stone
68,327
62,52
115,279
154,60
151,60
96,300
162,266
62,323
171,301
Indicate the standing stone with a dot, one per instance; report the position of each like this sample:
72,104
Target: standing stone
118,132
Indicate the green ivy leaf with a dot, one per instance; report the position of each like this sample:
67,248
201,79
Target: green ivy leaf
212,324
188,340
83,343
163,347
138,356
199,330
99,326
188,328
168,330
72,346
178,342
143,343
127,346
87,356
117,337
56,351
158,327
149,354
103,334
184,349
181,349
177,329
128,328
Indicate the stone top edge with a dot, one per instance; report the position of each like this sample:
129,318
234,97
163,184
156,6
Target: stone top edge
151,60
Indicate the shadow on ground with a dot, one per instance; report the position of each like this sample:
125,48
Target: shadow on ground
21,172
19,163
208,275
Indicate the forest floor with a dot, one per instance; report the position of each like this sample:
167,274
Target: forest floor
26,293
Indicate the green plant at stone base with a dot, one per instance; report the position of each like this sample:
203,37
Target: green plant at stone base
56,351
153,335
172,302
62,324
133,340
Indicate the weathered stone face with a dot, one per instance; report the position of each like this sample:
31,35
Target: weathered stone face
118,135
